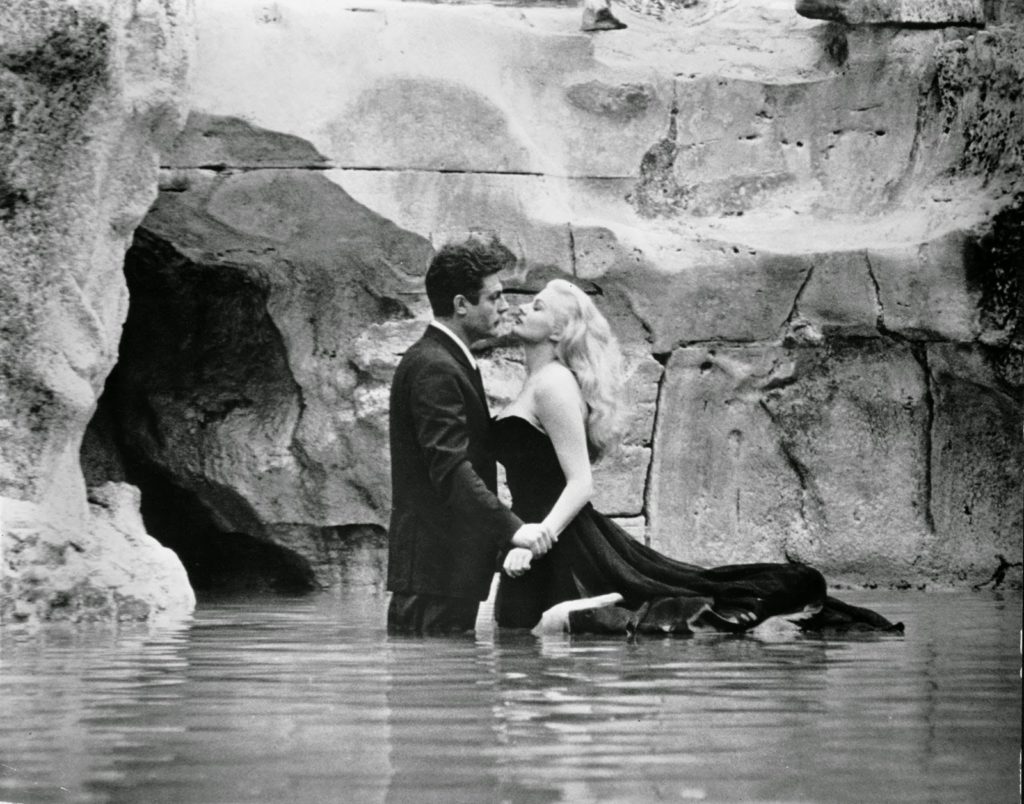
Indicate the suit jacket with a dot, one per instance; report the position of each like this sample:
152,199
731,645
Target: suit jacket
447,524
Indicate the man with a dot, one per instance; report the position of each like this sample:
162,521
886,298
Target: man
447,524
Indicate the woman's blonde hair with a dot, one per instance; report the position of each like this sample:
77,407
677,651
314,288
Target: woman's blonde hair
591,352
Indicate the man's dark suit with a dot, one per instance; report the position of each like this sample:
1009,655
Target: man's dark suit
447,525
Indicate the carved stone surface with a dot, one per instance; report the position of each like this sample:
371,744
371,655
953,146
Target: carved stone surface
827,216
88,93
61,569
238,374
975,470
895,12
800,220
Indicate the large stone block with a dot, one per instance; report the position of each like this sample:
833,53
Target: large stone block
923,289
529,213
815,454
976,462
109,570
724,292
854,422
393,93
722,489
840,295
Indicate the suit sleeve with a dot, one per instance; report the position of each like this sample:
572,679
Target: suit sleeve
439,417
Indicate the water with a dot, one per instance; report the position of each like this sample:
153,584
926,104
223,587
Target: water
306,700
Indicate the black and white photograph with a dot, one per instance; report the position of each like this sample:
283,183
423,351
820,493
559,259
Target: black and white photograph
511,401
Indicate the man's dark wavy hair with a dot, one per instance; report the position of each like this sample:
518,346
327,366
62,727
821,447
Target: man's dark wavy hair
460,269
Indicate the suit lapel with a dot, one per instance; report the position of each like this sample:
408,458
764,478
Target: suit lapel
473,375
478,384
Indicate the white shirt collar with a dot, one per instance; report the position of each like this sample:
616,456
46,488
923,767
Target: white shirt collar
457,339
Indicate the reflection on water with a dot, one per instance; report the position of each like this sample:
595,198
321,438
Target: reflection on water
306,700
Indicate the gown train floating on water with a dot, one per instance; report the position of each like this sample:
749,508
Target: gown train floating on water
595,556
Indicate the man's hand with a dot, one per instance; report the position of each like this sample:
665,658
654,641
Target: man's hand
517,562
535,538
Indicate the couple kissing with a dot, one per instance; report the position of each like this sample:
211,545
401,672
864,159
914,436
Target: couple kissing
564,566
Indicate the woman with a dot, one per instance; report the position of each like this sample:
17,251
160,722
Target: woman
566,416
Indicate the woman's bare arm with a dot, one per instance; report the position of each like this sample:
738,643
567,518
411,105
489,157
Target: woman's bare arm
559,407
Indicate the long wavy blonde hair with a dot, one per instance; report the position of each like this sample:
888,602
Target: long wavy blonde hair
591,352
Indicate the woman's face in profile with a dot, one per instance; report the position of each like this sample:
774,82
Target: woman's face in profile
535,321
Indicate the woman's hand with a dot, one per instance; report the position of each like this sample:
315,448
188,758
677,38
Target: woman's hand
517,562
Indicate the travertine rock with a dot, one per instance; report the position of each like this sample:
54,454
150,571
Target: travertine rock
895,12
817,228
106,568
923,289
88,93
238,375
722,489
791,225
975,469
762,452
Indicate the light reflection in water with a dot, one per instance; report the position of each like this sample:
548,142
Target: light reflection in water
305,699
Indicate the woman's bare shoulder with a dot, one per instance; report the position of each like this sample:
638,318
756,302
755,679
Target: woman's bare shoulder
555,374
556,383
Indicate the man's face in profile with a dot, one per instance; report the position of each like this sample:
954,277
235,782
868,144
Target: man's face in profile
484,318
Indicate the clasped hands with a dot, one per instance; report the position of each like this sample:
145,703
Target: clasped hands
531,540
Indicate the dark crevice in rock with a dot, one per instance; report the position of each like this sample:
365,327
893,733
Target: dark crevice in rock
221,167
880,317
191,328
835,43
572,249
794,310
244,288
198,350
456,171
711,343
994,267
920,354
12,199
659,407
214,558
227,168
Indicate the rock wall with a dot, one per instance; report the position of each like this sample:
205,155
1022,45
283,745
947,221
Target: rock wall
88,93
807,235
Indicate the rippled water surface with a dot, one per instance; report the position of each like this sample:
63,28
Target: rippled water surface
306,700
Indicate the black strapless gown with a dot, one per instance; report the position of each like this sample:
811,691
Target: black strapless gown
596,556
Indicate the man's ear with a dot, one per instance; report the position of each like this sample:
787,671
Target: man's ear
459,303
